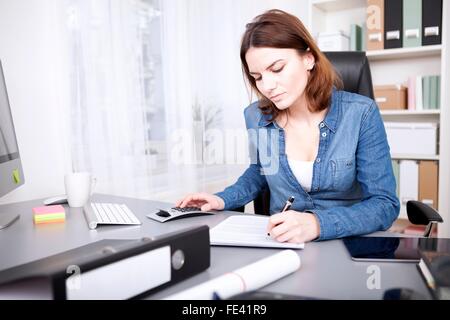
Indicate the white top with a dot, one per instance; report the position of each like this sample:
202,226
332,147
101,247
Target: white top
303,172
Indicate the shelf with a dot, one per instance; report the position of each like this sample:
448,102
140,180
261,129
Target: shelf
337,5
409,112
414,157
401,53
396,66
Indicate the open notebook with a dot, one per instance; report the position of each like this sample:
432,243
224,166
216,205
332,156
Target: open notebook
247,231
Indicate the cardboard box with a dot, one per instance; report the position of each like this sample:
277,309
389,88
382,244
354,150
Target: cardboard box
428,183
391,97
412,138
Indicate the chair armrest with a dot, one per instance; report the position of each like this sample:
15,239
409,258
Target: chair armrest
420,213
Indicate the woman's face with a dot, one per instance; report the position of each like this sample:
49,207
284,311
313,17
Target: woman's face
281,75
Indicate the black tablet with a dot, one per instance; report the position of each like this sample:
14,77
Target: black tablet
394,249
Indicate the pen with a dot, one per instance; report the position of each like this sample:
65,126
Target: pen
287,206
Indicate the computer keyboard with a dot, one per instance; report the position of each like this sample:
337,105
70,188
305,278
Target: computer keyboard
108,213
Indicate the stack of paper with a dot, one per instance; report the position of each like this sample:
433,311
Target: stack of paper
49,214
248,231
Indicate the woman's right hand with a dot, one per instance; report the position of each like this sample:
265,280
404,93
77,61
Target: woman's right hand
203,200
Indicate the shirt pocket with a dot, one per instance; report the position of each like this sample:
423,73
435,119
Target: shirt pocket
344,173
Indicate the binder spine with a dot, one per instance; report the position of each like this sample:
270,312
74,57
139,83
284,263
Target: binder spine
375,24
393,24
431,22
193,253
189,255
412,23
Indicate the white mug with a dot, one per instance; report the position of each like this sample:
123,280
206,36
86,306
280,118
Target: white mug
79,187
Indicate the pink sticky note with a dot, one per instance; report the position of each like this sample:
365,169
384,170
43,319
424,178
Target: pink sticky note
48,209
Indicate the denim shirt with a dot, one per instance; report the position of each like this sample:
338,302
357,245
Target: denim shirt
353,187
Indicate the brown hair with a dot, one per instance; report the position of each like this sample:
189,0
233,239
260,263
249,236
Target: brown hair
279,29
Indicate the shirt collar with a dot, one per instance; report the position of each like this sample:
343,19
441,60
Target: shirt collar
265,120
331,119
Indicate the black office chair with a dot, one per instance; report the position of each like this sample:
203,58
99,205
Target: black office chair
354,70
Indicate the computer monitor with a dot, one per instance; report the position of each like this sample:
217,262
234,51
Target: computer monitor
11,172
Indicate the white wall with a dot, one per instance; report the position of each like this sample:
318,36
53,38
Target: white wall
30,56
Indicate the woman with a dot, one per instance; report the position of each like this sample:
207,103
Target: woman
329,148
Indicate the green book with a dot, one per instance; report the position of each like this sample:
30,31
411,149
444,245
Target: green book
438,94
412,23
355,37
396,169
363,37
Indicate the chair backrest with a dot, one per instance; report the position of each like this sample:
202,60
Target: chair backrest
354,70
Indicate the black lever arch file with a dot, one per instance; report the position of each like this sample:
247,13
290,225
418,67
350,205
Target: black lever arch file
114,269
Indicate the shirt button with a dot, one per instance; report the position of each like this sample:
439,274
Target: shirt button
322,125
318,160
324,134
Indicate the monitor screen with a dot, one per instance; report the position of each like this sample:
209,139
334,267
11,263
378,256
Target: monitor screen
11,174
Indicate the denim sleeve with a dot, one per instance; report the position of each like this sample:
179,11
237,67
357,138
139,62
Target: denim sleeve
379,206
246,188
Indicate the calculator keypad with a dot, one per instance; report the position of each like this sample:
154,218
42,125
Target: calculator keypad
186,209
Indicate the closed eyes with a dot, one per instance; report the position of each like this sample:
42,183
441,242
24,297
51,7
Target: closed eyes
273,70
278,70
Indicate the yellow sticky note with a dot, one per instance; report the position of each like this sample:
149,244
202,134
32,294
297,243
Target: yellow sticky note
16,176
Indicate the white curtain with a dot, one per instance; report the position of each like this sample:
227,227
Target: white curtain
204,91
157,93
115,91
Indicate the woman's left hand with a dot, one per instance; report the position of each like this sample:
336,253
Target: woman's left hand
293,226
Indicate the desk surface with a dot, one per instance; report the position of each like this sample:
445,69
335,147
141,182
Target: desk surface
326,272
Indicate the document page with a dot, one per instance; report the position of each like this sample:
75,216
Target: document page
248,231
